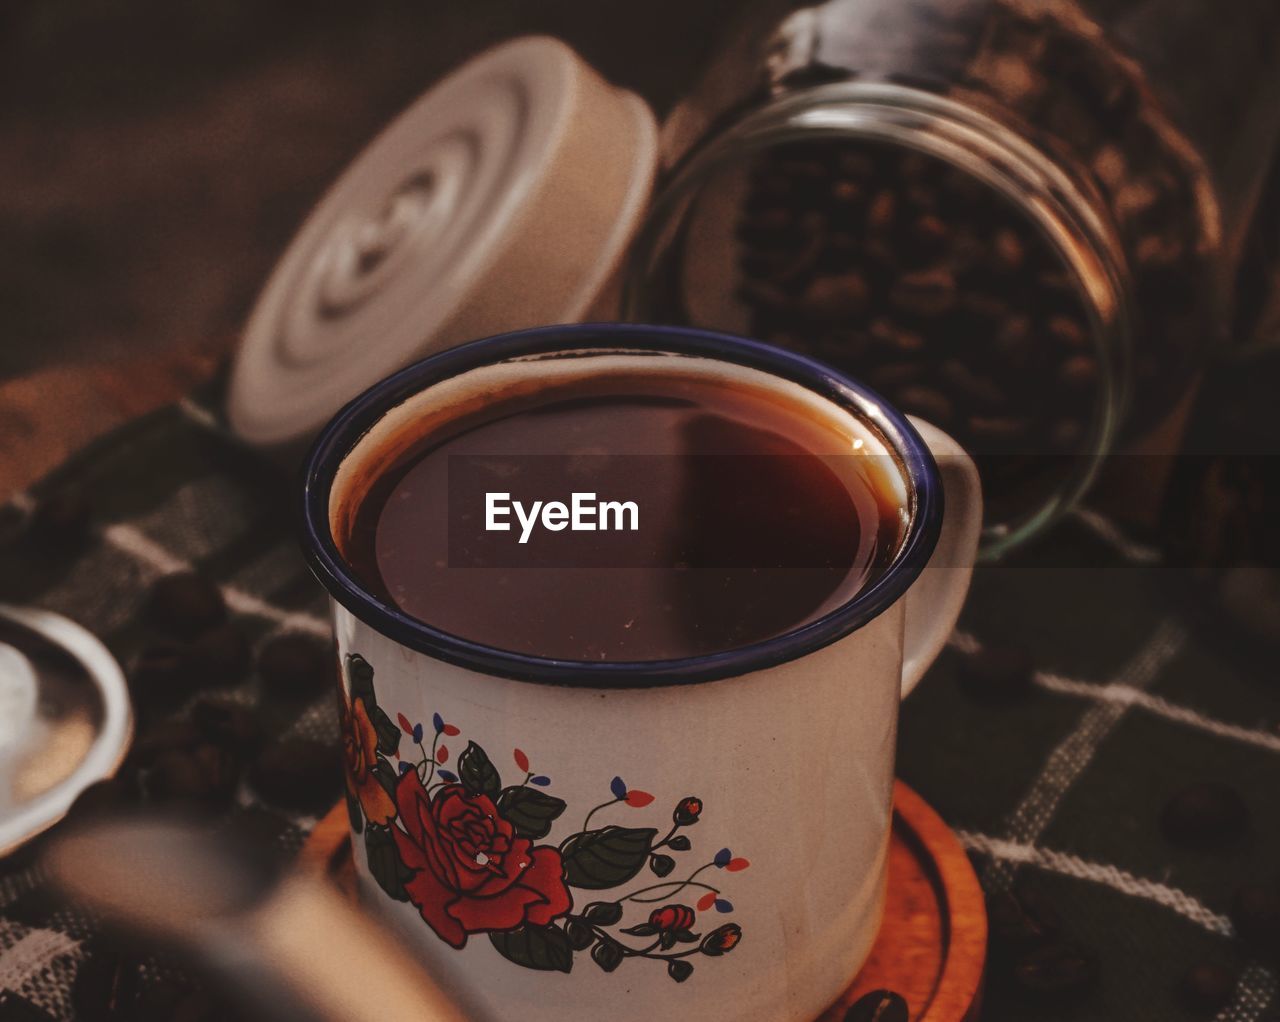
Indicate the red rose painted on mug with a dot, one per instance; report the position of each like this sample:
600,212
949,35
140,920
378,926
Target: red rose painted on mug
471,854
472,872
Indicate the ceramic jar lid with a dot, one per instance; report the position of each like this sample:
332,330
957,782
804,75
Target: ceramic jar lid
65,720
502,198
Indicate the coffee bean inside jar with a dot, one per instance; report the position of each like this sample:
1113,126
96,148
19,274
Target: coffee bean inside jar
909,275
913,277
1016,219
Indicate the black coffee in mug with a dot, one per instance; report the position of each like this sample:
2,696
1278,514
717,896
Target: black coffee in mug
620,508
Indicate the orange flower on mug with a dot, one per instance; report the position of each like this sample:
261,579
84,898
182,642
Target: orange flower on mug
360,748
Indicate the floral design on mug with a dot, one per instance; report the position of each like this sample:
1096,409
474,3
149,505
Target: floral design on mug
470,853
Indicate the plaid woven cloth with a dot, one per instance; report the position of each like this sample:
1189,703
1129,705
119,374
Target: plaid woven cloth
1132,700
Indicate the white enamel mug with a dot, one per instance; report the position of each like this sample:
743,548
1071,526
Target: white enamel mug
704,837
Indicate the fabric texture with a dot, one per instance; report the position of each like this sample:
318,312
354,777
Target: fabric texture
1134,697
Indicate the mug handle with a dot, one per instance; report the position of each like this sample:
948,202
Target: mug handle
933,603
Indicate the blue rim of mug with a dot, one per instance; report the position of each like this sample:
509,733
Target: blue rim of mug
346,429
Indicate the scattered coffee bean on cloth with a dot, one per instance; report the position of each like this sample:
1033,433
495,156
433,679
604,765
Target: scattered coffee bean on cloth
186,604
295,666
298,774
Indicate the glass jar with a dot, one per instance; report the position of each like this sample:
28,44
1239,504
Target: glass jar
1015,219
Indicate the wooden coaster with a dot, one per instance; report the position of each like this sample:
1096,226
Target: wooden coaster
933,941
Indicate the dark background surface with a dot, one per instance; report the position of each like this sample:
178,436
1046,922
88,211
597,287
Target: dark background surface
155,158
158,155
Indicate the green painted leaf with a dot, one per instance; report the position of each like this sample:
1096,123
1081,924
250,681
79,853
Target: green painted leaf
386,775
662,865
384,862
641,930
607,954
581,936
360,675
530,811
354,814
478,775
545,948
606,913
598,859
388,731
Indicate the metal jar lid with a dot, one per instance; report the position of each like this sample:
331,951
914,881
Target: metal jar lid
65,720
504,197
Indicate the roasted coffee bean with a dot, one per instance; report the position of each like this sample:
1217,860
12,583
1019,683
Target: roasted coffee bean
203,778
878,1006
847,193
931,405
844,343
1067,332
996,433
61,522
1008,254
221,656
793,264
921,198
961,381
897,374
1055,971
996,674
299,775
881,212
1013,340
767,297
106,984
16,1008
1255,911
1204,815
929,235
1079,372
836,298
895,339
161,677
1207,989
294,666
925,294
224,722
186,604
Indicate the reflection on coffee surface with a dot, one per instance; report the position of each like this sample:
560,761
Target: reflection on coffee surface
623,516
